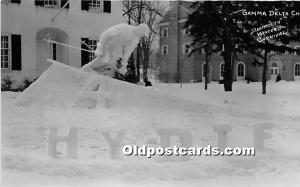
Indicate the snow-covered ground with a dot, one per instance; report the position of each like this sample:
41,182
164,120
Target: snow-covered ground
140,111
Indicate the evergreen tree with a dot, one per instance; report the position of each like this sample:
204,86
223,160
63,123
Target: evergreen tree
235,29
205,34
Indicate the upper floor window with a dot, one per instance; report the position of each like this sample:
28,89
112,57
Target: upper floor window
53,3
186,31
96,5
186,49
13,1
298,50
164,33
164,50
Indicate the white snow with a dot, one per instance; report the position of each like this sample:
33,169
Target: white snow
53,101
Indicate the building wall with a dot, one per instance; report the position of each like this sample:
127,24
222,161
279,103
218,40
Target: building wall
27,19
168,62
192,67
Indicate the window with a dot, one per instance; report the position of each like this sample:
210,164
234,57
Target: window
96,5
14,1
297,70
52,3
164,33
298,50
186,48
274,69
5,52
164,50
88,44
54,51
11,54
222,70
92,43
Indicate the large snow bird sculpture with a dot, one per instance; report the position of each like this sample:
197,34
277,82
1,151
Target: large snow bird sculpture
116,44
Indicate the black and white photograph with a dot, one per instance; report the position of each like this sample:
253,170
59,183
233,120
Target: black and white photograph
154,93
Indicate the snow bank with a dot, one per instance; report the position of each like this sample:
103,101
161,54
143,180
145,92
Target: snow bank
53,99
66,86
58,85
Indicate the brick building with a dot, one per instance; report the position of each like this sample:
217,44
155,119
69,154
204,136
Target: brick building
175,47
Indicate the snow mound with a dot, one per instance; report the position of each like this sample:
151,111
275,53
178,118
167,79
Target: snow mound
66,86
56,86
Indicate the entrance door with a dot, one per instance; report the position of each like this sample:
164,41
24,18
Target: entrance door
44,53
274,71
222,70
241,71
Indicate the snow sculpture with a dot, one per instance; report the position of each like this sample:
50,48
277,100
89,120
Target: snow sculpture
71,140
185,138
259,135
222,132
116,44
114,143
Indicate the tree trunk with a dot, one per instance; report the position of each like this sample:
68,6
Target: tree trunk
207,70
234,56
264,75
227,51
145,67
138,54
138,62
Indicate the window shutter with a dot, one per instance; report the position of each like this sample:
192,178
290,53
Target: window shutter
63,2
107,6
85,5
39,2
15,1
16,52
84,54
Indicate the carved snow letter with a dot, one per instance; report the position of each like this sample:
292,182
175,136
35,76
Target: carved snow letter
185,136
185,139
222,132
71,140
259,135
114,143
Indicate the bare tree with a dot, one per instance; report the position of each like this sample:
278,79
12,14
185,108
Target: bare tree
149,12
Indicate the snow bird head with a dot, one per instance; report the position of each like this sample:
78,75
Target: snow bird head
143,30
